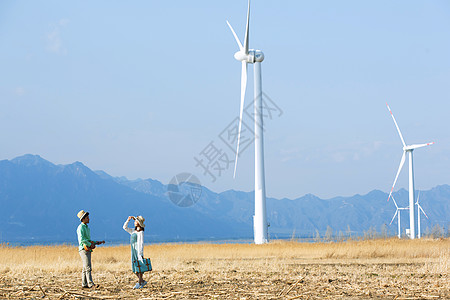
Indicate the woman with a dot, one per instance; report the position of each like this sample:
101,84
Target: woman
137,247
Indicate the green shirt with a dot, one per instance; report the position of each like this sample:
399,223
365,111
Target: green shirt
84,236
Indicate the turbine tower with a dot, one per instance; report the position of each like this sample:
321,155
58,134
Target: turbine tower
407,149
397,212
255,57
419,209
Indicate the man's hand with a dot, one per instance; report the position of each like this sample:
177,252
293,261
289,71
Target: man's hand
130,217
91,247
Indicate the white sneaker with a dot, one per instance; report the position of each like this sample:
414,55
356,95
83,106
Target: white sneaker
137,286
143,284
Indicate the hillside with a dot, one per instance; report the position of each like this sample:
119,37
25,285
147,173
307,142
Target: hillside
40,200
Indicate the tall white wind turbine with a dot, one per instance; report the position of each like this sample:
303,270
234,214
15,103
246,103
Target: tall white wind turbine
419,209
255,57
407,149
397,213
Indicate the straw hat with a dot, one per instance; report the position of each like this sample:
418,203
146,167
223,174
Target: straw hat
140,220
81,214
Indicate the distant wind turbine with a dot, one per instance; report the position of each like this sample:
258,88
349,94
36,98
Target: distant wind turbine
419,209
246,56
407,149
397,212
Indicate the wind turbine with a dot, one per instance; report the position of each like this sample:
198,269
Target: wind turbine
407,149
419,209
255,57
397,212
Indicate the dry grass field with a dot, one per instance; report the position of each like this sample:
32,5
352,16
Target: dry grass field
371,269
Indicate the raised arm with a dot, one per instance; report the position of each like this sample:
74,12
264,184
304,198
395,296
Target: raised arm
125,225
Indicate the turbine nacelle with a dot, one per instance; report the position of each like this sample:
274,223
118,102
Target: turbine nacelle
259,55
252,56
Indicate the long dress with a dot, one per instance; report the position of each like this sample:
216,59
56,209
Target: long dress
137,245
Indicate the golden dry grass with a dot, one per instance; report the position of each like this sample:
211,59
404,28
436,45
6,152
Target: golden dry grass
380,269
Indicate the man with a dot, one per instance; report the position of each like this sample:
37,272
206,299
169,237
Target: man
85,246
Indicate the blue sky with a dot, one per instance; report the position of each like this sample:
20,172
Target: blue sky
140,88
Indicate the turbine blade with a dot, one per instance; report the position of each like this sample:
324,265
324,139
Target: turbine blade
420,145
235,36
420,207
393,217
247,29
398,129
418,195
243,88
402,161
395,203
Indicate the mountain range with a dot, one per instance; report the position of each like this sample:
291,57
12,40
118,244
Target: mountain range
39,202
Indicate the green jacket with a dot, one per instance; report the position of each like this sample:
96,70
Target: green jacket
84,236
